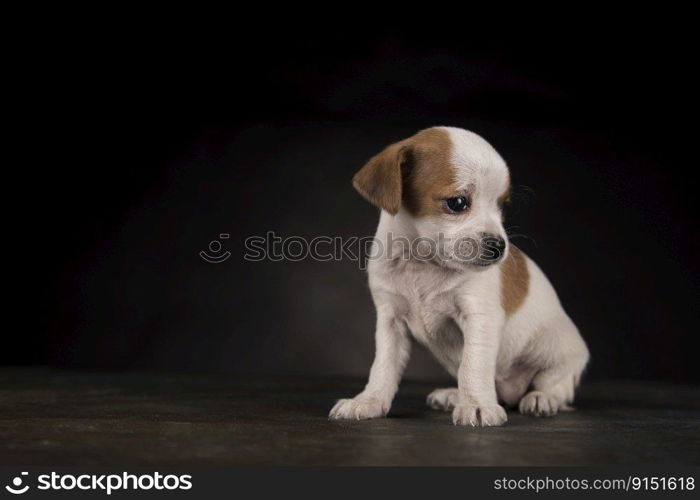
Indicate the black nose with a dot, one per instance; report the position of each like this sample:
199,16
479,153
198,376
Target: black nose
493,247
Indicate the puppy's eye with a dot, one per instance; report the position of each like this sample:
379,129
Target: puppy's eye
457,204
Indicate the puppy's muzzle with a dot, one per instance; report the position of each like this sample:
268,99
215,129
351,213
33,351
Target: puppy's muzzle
492,250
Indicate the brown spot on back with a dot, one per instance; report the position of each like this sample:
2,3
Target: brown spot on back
515,280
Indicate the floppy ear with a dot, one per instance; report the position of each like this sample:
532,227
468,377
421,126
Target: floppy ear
379,181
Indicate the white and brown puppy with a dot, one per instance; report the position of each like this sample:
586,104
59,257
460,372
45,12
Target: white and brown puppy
489,316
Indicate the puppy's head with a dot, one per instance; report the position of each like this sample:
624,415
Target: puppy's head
447,186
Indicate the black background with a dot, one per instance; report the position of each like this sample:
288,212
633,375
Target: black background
143,141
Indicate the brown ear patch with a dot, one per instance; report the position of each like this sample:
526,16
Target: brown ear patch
515,280
416,172
431,177
379,181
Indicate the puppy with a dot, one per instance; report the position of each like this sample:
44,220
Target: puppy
443,271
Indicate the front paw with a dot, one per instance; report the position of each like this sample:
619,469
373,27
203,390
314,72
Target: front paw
479,416
359,408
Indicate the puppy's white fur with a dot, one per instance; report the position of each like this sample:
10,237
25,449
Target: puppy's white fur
533,357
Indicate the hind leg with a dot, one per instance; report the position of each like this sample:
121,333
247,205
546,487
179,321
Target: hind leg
553,390
512,385
443,399
560,356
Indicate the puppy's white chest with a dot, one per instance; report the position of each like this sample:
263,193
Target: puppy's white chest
425,294
424,319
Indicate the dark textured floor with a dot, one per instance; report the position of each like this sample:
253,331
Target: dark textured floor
50,417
